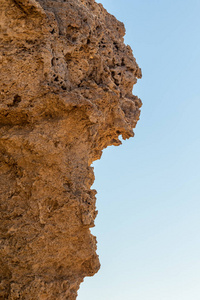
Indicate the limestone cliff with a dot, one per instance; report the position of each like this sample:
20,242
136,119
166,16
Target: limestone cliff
66,82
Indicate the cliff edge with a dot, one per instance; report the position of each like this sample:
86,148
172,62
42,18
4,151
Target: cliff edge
66,80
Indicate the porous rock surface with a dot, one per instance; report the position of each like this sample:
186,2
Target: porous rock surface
66,82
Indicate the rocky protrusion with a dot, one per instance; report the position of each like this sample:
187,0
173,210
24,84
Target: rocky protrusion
66,82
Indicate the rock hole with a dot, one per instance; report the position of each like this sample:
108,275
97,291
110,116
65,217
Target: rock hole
17,99
122,64
56,144
116,46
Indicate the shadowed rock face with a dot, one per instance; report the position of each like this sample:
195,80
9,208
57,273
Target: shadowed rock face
66,84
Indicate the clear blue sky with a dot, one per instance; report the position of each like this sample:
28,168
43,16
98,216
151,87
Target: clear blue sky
148,226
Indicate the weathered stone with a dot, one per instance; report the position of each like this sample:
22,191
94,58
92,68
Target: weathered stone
66,84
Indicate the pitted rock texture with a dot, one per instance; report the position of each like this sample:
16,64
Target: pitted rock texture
66,82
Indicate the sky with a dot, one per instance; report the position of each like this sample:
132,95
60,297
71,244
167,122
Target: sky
148,223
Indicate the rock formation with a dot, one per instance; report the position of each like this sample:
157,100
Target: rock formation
66,82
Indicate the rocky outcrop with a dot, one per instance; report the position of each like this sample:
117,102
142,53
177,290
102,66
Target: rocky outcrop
66,84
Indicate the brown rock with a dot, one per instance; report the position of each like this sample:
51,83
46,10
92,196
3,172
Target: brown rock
66,83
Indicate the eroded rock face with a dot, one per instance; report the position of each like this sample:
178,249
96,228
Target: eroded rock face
66,84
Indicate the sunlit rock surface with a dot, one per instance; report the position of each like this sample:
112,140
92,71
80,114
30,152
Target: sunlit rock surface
66,80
